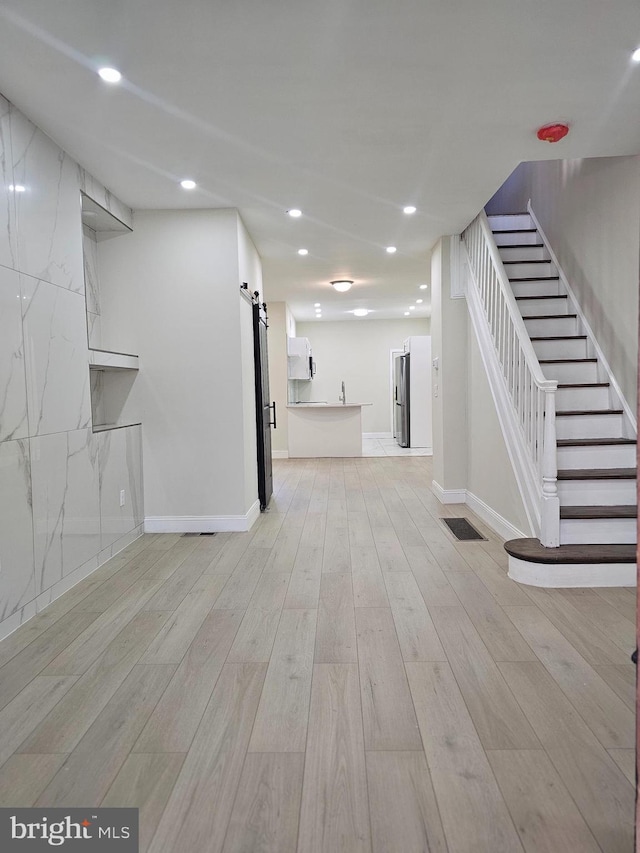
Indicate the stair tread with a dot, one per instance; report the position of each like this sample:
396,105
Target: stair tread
586,512
537,278
518,298
526,260
520,245
549,316
534,552
592,442
572,412
566,360
583,385
560,338
597,474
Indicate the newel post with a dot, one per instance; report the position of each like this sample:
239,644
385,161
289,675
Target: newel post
550,509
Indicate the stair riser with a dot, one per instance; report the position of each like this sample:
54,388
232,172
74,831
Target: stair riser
597,492
535,307
510,222
589,426
556,326
602,531
576,348
531,270
604,456
582,398
540,287
518,253
516,237
581,371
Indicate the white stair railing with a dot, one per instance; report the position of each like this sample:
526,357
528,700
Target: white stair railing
532,397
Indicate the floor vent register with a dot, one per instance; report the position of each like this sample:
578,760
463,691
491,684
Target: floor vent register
462,529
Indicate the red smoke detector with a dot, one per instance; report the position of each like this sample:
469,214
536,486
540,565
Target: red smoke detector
553,132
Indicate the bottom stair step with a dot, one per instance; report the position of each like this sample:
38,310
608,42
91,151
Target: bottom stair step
531,549
571,566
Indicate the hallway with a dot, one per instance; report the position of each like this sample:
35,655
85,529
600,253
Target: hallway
345,677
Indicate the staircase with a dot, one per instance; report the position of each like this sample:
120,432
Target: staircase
594,433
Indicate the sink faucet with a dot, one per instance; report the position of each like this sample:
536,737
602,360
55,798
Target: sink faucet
343,396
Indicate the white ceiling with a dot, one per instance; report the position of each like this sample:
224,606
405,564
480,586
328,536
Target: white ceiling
348,109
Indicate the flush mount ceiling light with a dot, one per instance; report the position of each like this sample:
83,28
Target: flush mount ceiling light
424,286
16,188
406,313
409,209
391,250
110,75
316,304
412,307
419,301
361,312
188,184
294,212
342,285
636,55
303,252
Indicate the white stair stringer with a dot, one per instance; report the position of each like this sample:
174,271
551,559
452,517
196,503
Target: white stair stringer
596,429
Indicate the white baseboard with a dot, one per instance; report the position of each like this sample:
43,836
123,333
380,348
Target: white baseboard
449,496
279,454
203,523
372,435
570,575
495,521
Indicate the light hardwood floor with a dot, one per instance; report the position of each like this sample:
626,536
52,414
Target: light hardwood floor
346,677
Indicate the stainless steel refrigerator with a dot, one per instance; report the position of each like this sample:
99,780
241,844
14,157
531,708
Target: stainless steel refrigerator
401,425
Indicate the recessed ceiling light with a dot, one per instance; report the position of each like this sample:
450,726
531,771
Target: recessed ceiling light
342,285
110,75
361,312
17,188
188,184
636,55
303,251
316,304
406,313
424,286
391,249
419,301
412,307
409,209
295,212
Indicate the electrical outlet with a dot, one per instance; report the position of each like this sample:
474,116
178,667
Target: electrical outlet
122,501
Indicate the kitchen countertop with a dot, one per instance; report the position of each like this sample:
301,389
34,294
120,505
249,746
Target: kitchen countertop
326,405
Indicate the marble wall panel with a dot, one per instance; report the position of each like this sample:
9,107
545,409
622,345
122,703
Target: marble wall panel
8,244
94,331
48,212
54,322
96,379
91,283
17,586
66,503
120,469
96,191
13,387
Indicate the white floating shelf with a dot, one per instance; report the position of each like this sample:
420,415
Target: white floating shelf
105,360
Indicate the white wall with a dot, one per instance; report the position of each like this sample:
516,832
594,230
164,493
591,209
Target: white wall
490,475
277,341
449,381
590,211
60,515
357,352
179,273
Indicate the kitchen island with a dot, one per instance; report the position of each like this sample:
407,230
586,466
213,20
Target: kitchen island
325,429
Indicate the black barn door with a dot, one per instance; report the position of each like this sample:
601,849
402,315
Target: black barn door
263,405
